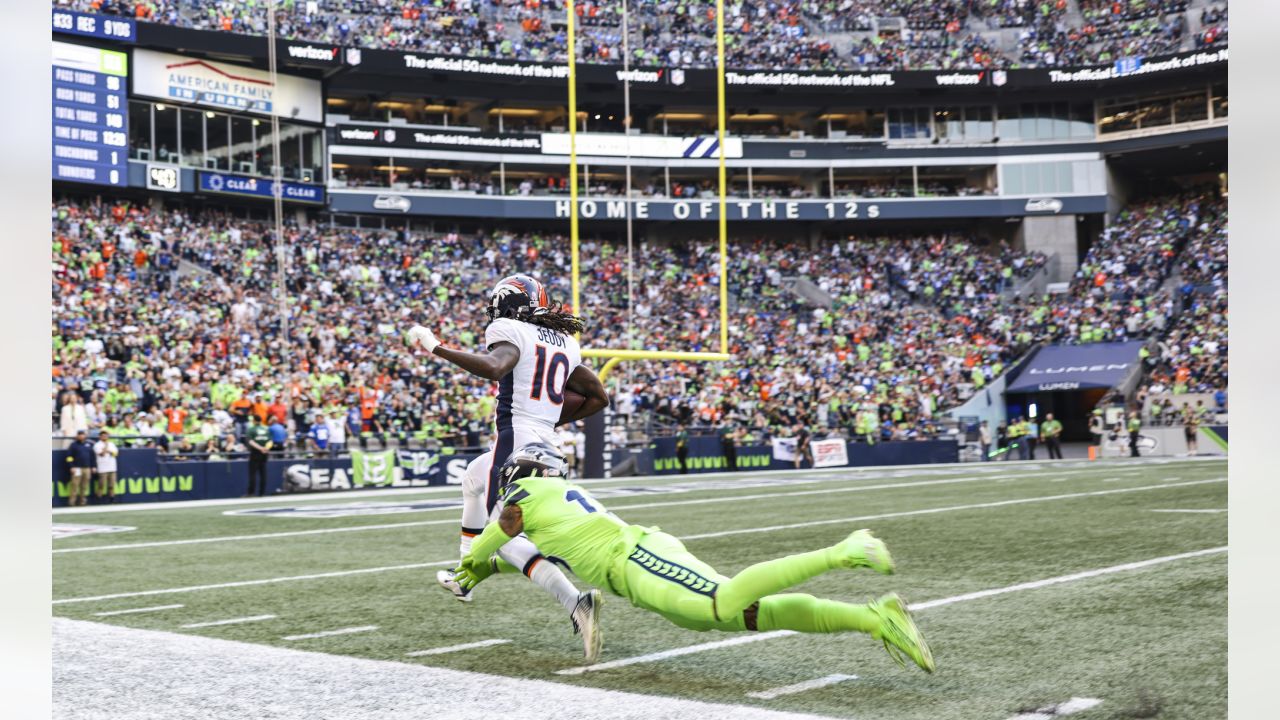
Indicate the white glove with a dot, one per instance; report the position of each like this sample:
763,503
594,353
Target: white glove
422,338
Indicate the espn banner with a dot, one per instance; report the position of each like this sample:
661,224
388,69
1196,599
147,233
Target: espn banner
830,453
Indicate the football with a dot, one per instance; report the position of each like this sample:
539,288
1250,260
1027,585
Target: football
572,401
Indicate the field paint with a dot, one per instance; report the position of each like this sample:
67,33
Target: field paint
1070,707
914,607
617,508
850,472
456,648
450,563
1035,584
259,536
231,621
131,611
929,511
108,671
331,633
800,687
1210,510
677,652
263,581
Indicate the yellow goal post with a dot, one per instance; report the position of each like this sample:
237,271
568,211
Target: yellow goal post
616,356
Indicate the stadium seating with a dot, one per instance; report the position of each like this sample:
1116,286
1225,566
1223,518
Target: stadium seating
781,34
920,322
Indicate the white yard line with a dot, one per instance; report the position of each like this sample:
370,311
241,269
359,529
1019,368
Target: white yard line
131,611
929,511
442,563
915,607
398,494
677,652
800,687
457,648
230,621
263,581
1210,510
110,671
331,633
1065,578
614,507
1070,707
259,536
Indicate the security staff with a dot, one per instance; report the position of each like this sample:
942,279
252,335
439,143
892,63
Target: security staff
1050,430
1134,426
258,438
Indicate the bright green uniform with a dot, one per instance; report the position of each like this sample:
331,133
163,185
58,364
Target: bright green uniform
654,571
643,564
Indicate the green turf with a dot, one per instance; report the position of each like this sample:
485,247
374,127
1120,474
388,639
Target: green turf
1147,640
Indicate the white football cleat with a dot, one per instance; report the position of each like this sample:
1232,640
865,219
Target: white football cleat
586,620
445,578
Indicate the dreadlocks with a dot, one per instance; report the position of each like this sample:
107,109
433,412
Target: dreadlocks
557,319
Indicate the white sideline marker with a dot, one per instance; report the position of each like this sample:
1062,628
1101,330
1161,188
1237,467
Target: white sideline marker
330,633
800,687
230,621
263,581
153,608
676,652
620,508
1208,510
929,511
457,648
914,607
1070,707
453,562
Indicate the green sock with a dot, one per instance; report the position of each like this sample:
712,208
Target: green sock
806,613
769,577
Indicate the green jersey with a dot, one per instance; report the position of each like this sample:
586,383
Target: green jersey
567,524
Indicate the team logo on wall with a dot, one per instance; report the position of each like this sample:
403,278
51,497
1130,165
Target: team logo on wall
389,135
677,76
999,77
353,56
66,530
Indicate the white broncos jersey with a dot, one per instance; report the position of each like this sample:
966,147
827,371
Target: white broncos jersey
531,396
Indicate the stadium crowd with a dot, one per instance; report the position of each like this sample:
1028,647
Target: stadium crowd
759,34
166,327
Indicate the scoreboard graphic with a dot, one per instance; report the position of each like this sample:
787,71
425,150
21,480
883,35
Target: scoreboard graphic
90,115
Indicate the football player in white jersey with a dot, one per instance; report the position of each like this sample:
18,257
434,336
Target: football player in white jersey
532,354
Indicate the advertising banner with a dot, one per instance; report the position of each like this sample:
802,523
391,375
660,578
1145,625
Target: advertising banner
706,454
1077,367
830,453
784,449
769,210
400,137
224,86
642,146
244,185
145,477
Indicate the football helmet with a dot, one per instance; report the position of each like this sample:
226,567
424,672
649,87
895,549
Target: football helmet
533,459
519,297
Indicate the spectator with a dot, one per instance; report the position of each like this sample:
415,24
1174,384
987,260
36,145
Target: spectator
105,454
80,459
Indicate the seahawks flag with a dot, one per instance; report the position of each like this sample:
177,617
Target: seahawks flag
372,468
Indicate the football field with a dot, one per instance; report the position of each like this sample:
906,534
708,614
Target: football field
1096,590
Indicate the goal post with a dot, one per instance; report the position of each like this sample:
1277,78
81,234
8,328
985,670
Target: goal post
595,460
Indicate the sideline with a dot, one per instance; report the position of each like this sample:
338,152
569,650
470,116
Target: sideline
450,563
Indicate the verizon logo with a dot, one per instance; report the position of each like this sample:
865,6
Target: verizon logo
960,79
310,52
